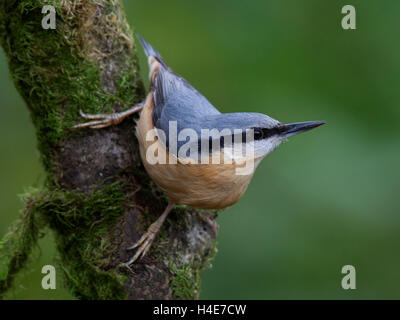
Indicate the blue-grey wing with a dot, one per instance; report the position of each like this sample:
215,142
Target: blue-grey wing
178,102
174,98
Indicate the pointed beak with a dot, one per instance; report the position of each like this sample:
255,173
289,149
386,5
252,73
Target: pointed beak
290,129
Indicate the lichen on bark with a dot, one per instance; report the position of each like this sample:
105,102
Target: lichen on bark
97,198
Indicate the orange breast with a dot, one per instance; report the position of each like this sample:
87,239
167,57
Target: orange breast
206,186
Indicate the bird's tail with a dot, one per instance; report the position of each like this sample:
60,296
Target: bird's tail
153,57
148,49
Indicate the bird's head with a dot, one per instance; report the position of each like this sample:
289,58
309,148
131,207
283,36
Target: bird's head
264,133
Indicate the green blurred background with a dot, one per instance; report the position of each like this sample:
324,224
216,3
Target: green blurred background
323,200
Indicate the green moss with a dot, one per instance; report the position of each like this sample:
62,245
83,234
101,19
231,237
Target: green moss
83,225
17,245
185,280
58,72
186,277
185,284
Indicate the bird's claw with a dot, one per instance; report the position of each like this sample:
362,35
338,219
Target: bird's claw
99,121
143,246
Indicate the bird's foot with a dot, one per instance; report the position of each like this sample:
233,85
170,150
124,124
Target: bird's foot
99,120
145,242
102,120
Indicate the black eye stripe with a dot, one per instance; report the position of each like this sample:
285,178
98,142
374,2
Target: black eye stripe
266,132
270,132
259,134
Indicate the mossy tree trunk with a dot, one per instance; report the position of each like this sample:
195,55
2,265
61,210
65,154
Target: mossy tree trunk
97,198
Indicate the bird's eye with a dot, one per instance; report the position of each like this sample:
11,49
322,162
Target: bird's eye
258,134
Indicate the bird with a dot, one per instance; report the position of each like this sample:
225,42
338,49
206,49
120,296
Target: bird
208,170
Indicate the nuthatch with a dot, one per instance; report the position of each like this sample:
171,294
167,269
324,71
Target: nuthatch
209,184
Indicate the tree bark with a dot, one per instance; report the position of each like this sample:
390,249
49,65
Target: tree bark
97,199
